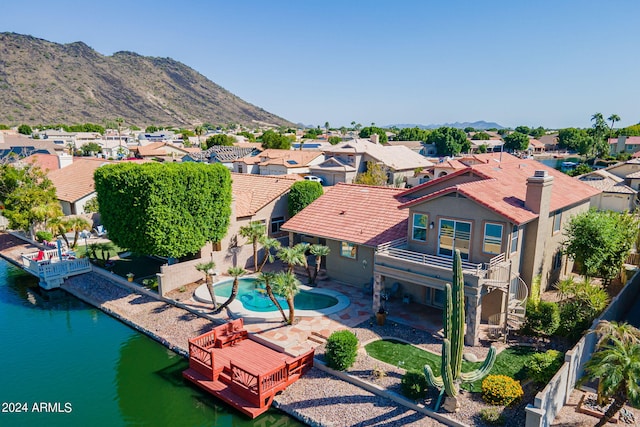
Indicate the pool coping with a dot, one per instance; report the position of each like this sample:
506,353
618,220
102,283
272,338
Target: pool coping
236,309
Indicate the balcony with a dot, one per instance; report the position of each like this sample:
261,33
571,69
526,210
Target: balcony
394,255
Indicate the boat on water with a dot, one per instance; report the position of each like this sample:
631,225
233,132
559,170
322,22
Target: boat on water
569,165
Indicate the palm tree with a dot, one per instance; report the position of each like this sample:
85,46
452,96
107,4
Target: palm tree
625,332
253,231
58,227
616,365
207,269
266,278
199,131
119,121
606,331
326,129
287,285
613,118
293,255
235,272
77,224
268,243
44,213
319,251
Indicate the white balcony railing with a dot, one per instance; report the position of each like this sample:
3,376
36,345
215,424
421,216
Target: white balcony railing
397,249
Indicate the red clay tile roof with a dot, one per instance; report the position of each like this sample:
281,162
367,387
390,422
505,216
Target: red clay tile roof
46,162
274,156
253,192
501,187
359,214
631,140
76,180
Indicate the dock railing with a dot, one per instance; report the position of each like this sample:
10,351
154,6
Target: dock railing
201,357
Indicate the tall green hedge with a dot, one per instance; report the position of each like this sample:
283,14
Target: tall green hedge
168,210
301,195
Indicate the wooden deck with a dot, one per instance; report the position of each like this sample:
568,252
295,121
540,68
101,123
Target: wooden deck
242,372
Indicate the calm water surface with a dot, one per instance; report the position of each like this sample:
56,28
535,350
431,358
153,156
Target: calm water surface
85,368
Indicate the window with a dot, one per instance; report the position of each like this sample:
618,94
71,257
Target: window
514,239
348,250
557,260
557,221
419,227
454,235
492,243
276,223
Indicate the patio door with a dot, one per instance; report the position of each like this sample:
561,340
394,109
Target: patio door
454,235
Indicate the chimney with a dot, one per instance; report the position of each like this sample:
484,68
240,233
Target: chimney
537,232
538,198
64,160
620,147
375,138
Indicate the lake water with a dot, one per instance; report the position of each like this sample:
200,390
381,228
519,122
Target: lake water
65,363
556,163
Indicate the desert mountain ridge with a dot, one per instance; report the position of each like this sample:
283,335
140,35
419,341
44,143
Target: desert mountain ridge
44,82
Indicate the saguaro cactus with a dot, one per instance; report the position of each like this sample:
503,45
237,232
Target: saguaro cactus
453,343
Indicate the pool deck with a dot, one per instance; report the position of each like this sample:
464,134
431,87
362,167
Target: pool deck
237,308
309,331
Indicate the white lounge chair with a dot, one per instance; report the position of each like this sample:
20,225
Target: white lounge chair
100,231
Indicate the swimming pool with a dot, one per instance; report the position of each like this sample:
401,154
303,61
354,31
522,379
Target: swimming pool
252,301
255,298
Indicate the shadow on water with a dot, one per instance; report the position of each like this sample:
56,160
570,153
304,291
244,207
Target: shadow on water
24,291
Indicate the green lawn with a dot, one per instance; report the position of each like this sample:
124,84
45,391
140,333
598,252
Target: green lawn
509,362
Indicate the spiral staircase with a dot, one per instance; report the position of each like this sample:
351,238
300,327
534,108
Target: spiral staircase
514,311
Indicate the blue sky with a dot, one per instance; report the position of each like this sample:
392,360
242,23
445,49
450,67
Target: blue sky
549,63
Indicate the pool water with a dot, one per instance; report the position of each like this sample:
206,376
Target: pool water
254,298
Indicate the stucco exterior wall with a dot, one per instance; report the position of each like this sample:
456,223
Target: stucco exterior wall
461,209
551,243
356,271
617,202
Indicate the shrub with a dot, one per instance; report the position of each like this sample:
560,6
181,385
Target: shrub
301,195
41,236
414,385
341,350
541,367
492,416
542,319
501,390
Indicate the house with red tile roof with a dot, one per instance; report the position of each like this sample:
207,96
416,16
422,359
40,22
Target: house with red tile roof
255,198
505,215
278,162
616,195
345,160
74,183
624,144
352,220
165,151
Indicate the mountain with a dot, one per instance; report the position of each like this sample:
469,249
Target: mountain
45,82
479,125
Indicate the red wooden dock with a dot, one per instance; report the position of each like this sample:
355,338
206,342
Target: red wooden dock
227,363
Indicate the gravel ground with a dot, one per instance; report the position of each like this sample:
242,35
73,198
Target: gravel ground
471,403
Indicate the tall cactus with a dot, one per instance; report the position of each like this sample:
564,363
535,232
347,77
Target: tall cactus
453,319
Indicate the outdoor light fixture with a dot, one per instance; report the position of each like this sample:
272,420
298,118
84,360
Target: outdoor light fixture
431,225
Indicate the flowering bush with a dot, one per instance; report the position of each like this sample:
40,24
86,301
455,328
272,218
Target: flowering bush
501,390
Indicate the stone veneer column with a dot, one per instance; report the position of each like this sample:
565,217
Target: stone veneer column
378,287
474,310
